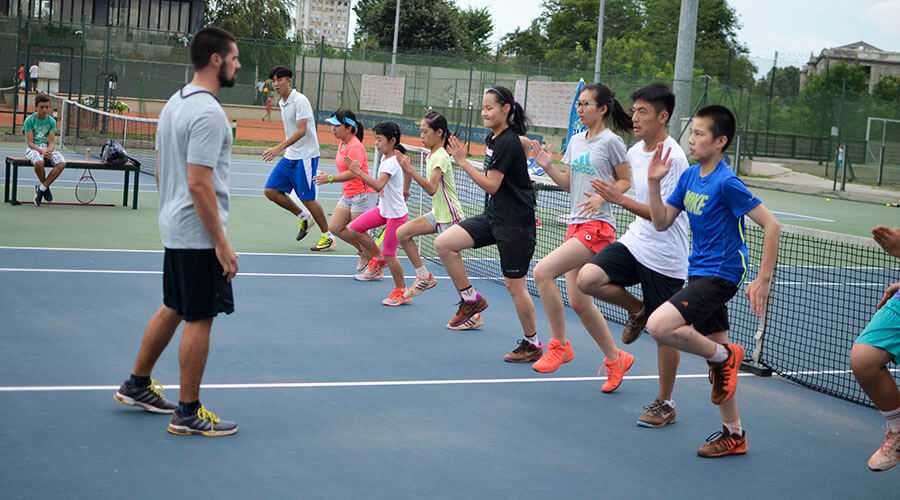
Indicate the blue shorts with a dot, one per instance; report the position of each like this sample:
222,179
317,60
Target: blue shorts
295,175
883,330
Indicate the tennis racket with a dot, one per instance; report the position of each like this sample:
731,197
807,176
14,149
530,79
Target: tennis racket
86,189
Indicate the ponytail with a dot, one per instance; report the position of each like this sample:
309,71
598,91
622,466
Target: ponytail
516,119
391,131
615,113
437,122
340,118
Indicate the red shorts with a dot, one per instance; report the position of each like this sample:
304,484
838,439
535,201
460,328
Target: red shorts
595,235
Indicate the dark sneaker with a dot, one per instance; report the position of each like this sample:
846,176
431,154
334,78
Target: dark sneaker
657,414
48,195
38,195
324,244
634,326
724,376
466,310
202,423
525,352
723,443
302,229
148,398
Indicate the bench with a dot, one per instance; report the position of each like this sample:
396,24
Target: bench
11,180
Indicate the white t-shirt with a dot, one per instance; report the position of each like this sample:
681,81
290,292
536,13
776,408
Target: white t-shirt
33,72
391,203
665,252
293,109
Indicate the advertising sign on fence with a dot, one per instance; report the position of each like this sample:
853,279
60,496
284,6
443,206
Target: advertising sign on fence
382,93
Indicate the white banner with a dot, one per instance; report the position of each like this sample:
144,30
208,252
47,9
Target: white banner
548,103
382,93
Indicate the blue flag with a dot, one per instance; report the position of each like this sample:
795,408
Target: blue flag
575,125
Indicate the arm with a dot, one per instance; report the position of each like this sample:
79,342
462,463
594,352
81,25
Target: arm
203,194
545,160
758,290
29,138
490,183
271,153
429,185
661,214
888,239
407,181
51,142
377,184
609,192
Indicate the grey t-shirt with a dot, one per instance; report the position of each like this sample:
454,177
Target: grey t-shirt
193,128
589,159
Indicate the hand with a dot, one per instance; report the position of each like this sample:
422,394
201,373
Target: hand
889,292
660,164
271,153
406,194
758,293
607,190
228,259
541,156
405,163
322,178
355,168
457,150
591,205
888,239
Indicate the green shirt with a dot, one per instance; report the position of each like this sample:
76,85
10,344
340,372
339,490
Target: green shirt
445,203
40,128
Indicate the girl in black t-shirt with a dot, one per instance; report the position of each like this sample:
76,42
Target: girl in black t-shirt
508,219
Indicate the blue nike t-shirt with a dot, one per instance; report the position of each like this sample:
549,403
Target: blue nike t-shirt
716,205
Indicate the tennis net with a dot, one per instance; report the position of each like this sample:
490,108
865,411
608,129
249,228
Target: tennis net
825,289
84,129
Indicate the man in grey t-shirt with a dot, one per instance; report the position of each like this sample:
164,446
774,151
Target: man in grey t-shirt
193,142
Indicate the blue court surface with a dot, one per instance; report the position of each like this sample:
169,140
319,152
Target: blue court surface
339,397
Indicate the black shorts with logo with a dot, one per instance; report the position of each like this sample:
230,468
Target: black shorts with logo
702,303
624,270
193,284
514,243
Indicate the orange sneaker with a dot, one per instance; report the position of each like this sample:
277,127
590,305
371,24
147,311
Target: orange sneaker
374,271
396,298
724,376
616,370
555,356
723,443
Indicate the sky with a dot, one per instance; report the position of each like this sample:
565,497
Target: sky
794,28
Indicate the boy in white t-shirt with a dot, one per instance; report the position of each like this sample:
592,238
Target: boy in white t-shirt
658,261
300,161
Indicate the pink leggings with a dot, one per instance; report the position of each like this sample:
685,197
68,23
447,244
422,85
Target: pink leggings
371,219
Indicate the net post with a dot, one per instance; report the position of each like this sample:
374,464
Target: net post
755,366
881,165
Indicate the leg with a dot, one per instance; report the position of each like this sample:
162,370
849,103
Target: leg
157,335
283,200
591,317
729,408
359,228
39,171
571,255
192,357
593,280
338,225
518,290
389,250
57,169
405,234
396,271
318,214
449,246
668,327
667,359
869,366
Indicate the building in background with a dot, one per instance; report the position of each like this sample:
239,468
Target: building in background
324,18
875,62
175,16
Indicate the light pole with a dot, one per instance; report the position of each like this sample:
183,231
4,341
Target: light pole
599,57
396,32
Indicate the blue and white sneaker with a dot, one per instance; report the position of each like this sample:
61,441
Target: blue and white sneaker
202,423
148,398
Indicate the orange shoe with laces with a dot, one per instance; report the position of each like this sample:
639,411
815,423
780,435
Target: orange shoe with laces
555,356
616,370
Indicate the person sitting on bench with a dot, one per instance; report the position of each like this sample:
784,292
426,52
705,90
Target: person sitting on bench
40,137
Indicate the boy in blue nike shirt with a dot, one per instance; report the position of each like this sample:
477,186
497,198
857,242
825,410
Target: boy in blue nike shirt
695,320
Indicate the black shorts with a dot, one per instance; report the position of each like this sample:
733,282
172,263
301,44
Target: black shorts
193,284
624,270
514,243
702,303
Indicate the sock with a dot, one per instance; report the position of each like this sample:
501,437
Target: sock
303,215
189,408
468,294
670,402
422,272
533,339
329,234
137,381
892,419
734,427
43,187
720,355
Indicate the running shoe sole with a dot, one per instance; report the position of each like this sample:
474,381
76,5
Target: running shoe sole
125,400
180,430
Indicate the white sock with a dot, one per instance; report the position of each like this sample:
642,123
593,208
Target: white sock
303,215
43,187
422,272
720,355
670,402
533,340
469,294
329,234
892,419
734,427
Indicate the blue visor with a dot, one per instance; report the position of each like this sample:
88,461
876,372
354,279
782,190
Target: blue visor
333,120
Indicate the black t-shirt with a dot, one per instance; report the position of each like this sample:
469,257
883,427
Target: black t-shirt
514,202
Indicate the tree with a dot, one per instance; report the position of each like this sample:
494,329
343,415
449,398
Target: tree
477,26
426,25
888,88
529,46
260,19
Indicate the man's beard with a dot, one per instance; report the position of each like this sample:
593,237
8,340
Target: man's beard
224,82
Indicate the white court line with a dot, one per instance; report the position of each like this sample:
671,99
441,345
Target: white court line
240,274
378,383
802,217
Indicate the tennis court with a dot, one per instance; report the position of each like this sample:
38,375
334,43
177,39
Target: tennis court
340,397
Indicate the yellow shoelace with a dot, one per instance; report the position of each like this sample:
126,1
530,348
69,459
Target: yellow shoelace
205,414
156,388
